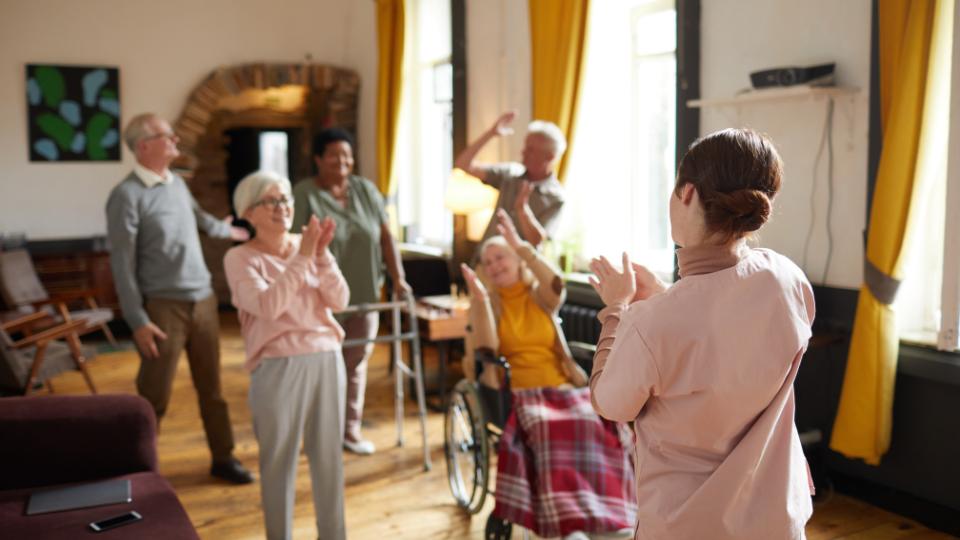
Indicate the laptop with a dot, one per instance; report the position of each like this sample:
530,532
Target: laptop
81,496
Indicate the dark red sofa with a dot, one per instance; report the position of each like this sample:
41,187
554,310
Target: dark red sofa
55,441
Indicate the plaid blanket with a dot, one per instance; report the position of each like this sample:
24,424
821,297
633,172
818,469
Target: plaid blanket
561,468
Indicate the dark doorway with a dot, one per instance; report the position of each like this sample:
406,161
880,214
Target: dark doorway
244,155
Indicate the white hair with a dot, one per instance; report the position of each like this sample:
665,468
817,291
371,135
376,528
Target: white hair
496,240
552,133
253,185
526,275
137,129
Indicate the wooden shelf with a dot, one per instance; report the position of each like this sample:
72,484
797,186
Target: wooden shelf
774,94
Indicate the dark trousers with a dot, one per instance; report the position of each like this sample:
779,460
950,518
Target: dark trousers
194,326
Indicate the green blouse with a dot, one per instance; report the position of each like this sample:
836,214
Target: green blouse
356,243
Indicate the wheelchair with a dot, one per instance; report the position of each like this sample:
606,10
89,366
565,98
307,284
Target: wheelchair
473,424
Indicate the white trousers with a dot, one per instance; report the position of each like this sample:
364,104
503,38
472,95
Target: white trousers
294,398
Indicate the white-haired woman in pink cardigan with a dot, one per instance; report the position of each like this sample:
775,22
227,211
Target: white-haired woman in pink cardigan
705,368
286,287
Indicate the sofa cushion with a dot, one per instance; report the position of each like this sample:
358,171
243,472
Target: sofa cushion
153,498
58,439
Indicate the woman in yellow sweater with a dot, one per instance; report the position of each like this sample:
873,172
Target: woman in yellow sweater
518,319
561,469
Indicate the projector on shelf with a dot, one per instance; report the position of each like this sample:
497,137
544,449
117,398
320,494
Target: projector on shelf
819,75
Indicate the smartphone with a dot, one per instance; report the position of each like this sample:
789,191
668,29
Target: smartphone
115,521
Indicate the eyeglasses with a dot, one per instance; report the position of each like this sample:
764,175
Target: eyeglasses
162,135
272,203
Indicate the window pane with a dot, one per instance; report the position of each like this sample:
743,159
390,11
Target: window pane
621,167
424,156
656,33
655,136
443,83
918,301
273,152
433,32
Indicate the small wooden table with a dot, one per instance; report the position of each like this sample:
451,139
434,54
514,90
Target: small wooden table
442,320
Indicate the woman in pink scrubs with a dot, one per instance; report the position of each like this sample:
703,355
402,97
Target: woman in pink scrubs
705,368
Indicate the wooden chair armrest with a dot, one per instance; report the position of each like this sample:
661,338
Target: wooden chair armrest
50,334
26,320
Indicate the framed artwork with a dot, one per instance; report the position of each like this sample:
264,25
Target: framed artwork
73,113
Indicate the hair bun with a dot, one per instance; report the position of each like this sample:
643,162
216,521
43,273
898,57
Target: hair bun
744,210
737,173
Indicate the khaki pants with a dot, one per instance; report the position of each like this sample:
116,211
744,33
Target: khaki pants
292,399
360,326
196,327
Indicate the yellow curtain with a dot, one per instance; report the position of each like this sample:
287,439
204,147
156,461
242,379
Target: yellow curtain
390,21
912,47
558,34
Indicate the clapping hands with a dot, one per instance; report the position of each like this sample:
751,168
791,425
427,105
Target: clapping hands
648,284
474,286
523,197
507,229
632,283
614,286
317,235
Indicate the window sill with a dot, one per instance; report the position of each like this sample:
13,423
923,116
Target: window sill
929,363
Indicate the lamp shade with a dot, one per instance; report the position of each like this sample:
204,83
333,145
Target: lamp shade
466,194
477,223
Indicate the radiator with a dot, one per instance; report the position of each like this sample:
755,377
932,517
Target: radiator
580,323
582,329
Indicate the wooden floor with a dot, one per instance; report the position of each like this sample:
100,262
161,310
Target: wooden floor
388,496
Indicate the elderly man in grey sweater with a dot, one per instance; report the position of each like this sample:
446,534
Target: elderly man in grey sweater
164,285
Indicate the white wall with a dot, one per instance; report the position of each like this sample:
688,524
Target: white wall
163,50
498,72
740,36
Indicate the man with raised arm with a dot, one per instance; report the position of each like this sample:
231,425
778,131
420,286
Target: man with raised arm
529,191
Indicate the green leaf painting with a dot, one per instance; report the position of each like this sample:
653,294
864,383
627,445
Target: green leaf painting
73,113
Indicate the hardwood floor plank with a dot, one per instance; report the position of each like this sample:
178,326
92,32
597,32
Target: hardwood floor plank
388,496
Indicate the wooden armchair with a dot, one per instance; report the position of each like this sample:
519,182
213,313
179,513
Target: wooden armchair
21,289
44,349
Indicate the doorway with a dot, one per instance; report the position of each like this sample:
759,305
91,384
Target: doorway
251,149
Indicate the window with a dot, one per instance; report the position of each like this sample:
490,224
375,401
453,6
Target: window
630,66
927,305
273,152
425,141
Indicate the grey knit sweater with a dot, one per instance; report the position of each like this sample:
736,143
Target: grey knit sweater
154,245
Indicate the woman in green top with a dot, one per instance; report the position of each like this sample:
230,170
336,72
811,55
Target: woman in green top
362,246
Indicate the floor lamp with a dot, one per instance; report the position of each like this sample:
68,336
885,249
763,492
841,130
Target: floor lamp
472,203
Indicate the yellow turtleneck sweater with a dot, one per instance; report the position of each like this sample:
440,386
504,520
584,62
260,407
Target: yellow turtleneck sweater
527,338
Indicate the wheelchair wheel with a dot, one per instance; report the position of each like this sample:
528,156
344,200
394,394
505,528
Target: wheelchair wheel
497,529
466,447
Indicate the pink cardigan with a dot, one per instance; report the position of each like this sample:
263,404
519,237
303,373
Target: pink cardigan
705,372
285,305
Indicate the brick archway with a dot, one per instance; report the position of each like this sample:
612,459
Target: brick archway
329,98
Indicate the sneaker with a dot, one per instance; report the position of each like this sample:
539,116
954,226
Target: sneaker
231,471
361,447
